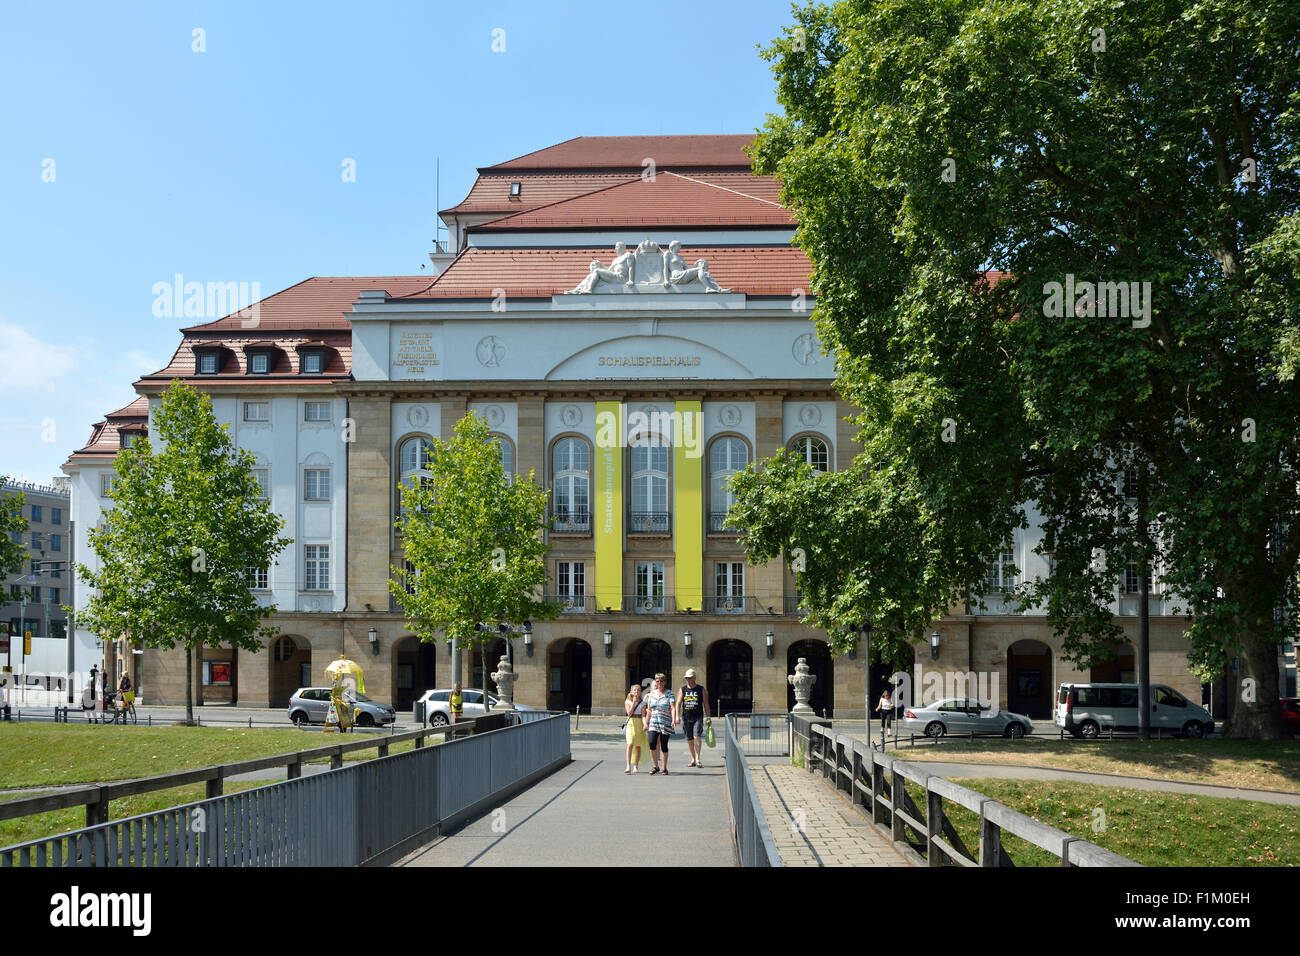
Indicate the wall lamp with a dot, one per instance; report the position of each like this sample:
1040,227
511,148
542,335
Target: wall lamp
609,643
528,643
686,639
934,646
374,642
769,638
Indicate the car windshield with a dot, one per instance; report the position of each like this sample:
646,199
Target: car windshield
362,698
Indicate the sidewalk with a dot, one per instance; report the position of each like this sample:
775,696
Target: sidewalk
592,814
812,825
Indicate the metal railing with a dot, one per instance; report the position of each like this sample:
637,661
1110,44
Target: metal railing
574,603
718,523
369,814
762,733
570,521
648,603
730,604
874,781
648,522
748,824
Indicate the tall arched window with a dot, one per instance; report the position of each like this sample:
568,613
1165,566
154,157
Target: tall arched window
726,457
571,477
649,485
507,454
812,450
414,457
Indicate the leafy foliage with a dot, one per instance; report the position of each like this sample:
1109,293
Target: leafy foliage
473,538
12,553
947,161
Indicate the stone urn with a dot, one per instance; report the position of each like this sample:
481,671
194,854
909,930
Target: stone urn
505,679
802,681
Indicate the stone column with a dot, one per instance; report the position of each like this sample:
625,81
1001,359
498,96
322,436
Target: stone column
531,444
371,486
769,579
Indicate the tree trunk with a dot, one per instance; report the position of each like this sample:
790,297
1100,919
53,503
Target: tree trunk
189,686
1255,714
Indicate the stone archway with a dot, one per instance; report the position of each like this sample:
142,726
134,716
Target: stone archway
730,677
569,675
481,679
288,668
818,653
1029,679
415,670
649,657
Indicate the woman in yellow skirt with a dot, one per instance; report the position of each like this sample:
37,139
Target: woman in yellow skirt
635,730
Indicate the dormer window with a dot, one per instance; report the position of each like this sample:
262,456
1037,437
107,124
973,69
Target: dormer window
209,362
514,190
128,439
313,363
259,363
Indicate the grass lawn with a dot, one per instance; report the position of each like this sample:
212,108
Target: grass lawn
1265,764
1148,826
44,754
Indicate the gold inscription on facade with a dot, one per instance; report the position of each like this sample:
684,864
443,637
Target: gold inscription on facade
415,353
642,360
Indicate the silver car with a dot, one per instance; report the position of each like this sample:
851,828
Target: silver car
310,705
436,705
957,715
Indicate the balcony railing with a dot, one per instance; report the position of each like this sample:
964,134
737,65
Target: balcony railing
570,521
647,522
648,603
574,603
730,604
796,605
717,523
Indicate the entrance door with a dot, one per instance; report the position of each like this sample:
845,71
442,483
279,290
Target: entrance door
818,653
730,677
651,657
577,676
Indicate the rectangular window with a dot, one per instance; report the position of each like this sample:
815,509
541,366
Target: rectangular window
649,586
317,567
105,485
217,673
38,541
36,595
409,577
257,411
571,584
259,363
316,484
208,363
312,363
56,542
56,516
58,630
16,591
128,439
36,512
263,478
16,537
257,578
1001,575
36,567
316,411
1131,582
54,595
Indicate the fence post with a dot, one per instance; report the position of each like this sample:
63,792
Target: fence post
877,788
933,825
97,812
295,770
336,758
216,785
857,774
383,748
990,839
896,802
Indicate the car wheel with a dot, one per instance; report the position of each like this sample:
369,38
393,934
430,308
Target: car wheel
365,720
1089,729
1193,729
299,718
935,729
1014,729
438,720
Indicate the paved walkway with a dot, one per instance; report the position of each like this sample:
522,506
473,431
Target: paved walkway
592,814
813,825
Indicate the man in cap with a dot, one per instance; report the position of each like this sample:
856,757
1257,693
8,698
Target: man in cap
693,710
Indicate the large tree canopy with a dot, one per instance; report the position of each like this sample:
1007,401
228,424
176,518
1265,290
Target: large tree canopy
958,169
188,521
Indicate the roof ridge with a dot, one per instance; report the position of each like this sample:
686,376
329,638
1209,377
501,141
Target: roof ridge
541,149
723,188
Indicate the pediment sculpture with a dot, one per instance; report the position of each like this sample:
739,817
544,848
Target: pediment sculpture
649,268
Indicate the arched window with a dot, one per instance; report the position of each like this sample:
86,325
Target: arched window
649,485
726,457
414,458
571,477
507,454
812,450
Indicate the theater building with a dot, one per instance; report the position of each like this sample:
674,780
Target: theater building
647,282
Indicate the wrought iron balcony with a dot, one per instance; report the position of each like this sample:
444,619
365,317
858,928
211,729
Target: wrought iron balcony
717,524
647,522
574,603
796,605
730,604
648,603
570,521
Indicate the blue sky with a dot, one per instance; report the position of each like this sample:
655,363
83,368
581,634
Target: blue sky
227,165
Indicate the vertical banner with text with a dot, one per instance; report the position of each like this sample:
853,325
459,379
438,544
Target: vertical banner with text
607,504
688,505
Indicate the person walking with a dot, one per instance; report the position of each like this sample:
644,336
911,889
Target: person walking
662,708
638,748
456,703
693,709
4,698
886,710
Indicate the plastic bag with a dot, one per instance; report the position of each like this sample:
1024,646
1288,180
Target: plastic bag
709,739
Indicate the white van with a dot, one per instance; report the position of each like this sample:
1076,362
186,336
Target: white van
1086,710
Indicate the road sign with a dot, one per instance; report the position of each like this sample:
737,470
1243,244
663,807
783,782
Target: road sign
27,642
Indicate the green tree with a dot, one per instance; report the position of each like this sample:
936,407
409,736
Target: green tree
12,553
473,538
923,147
186,524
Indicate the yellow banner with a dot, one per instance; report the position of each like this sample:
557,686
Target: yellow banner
607,504
688,505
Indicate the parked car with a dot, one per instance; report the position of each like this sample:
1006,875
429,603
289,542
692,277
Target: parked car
436,705
1086,709
310,705
961,716
1290,715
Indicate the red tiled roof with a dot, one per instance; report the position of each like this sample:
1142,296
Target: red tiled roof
316,303
670,199
105,437
491,193
185,360
629,152
542,272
